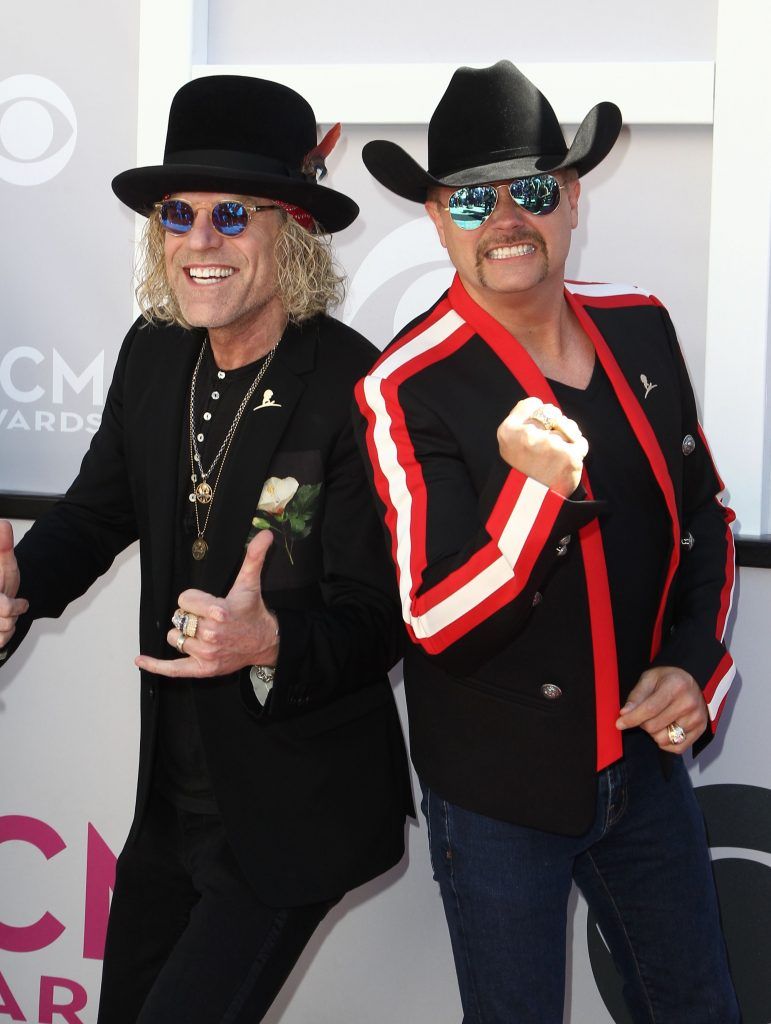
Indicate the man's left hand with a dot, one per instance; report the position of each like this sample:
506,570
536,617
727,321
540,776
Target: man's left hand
232,631
666,696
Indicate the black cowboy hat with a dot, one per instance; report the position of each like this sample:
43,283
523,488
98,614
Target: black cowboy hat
493,123
248,136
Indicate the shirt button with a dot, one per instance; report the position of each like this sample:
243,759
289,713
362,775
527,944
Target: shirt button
221,374
200,437
551,691
151,692
207,416
689,445
215,395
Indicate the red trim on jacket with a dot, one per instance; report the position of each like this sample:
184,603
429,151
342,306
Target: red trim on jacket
726,592
648,442
725,670
524,369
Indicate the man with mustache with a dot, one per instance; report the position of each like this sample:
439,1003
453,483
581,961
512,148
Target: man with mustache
565,570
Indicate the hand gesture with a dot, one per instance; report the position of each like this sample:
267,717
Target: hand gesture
231,632
11,607
543,444
664,699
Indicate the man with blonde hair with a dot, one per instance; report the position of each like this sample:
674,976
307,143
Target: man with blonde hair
272,772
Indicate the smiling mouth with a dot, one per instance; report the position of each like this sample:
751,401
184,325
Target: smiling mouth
506,252
209,275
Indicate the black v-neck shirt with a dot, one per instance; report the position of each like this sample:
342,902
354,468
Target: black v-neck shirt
635,527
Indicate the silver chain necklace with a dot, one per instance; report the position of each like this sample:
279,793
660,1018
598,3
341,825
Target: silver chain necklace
203,492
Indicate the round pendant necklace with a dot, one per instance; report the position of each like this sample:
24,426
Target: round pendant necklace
203,491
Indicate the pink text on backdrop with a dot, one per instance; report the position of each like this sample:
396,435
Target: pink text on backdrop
99,882
49,1003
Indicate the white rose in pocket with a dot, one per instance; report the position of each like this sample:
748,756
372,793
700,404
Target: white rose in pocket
276,494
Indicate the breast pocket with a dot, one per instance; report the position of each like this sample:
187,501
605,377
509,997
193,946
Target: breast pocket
290,505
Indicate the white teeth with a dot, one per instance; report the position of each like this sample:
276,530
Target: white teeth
507,251
207,272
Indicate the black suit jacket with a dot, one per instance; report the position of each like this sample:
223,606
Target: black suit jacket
313,789
502,579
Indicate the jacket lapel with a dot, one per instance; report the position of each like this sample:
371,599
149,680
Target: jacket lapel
525,370
166,400
648,441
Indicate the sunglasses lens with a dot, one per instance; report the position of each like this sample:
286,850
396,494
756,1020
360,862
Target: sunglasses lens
230,218
176,216
537,195
470,207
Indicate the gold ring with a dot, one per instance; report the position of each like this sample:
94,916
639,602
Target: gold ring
540,415
180,641
185,622
676,733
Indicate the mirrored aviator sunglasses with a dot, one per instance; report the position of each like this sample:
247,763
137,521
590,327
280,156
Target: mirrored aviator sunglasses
470,207
229,217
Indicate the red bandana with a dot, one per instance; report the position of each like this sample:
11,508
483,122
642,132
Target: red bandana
303,218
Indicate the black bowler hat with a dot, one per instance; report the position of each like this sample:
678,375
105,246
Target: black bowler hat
248,136
493,123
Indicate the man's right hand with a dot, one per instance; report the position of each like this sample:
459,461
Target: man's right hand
11,607
551,452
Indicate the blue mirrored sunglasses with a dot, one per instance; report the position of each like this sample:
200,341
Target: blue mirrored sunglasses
229,217
470,207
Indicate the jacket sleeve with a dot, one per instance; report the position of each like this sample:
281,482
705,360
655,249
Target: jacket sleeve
68,548
468,564
704,583
346,645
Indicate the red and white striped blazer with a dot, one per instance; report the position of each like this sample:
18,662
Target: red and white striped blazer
495,610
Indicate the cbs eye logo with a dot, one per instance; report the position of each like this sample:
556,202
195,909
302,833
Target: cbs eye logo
38,130
402,275
738,820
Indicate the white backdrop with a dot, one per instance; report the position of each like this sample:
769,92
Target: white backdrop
68,714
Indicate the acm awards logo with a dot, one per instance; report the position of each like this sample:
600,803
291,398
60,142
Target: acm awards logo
738,822
38,130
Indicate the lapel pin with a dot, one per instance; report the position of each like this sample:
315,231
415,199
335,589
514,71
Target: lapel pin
267,401
648,385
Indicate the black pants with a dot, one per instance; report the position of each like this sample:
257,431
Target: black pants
188,942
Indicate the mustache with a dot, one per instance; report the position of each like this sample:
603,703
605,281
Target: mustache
521,237
512,238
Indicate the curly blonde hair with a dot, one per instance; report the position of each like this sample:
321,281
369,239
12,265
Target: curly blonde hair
308,280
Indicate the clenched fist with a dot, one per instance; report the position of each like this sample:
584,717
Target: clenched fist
540,442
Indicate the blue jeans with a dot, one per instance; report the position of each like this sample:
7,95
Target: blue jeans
645,872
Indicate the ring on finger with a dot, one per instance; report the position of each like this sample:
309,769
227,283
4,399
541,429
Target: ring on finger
544,417
676,733
185,622
557,423
180,642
